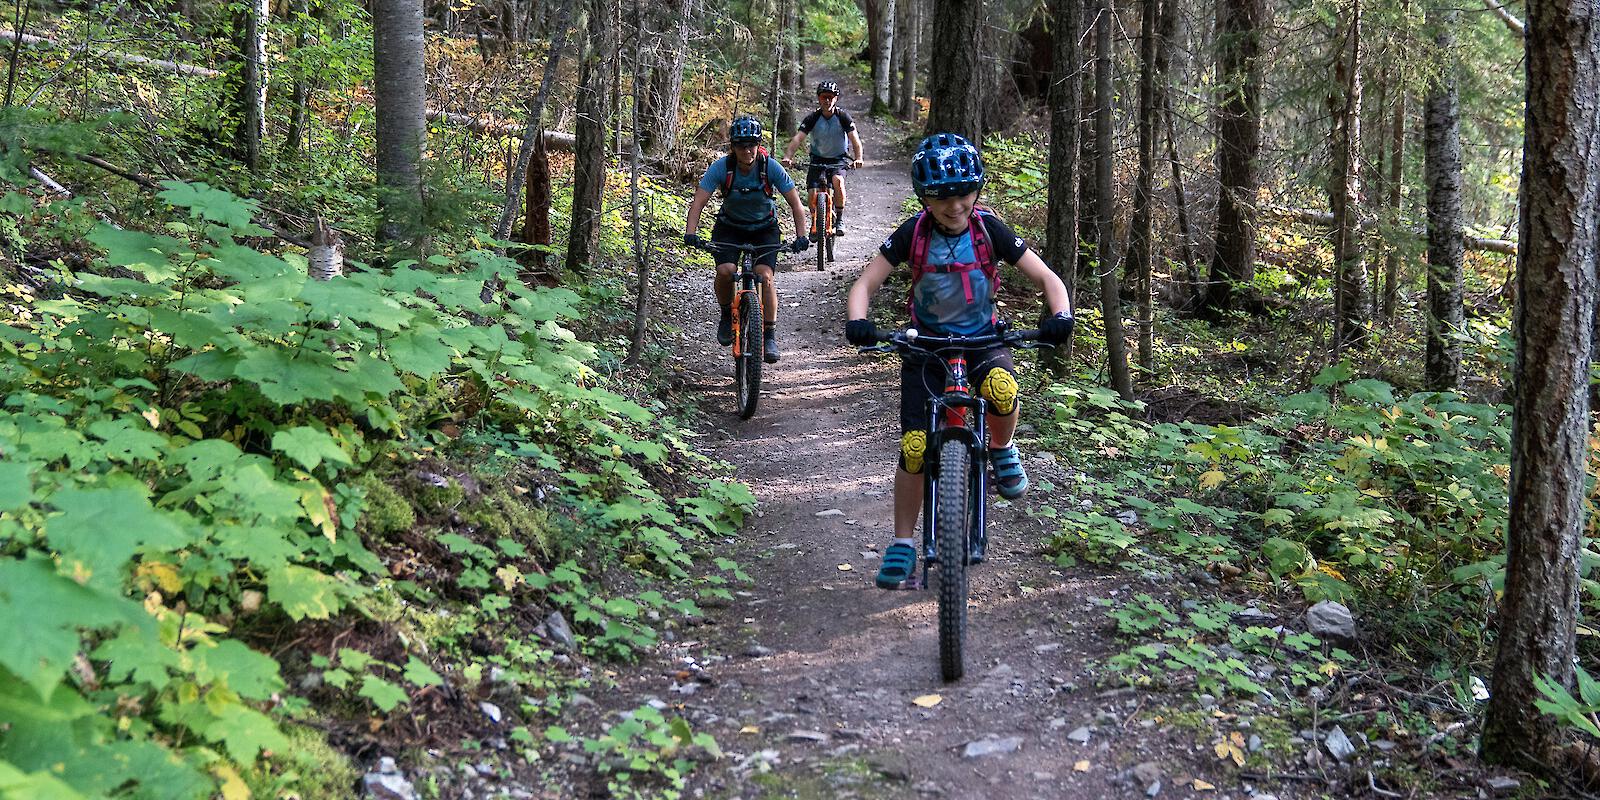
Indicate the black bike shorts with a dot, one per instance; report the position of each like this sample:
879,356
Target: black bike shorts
820,175
727,232
922,379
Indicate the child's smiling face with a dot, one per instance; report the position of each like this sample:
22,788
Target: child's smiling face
952,213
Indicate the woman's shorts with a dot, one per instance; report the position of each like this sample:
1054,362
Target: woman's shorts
728,232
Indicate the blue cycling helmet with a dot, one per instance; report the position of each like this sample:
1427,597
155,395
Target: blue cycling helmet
745,129
946,165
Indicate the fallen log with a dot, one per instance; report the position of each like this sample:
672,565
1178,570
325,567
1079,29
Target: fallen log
114,55
1324,219
553,140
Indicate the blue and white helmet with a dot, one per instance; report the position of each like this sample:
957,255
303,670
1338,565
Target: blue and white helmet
745,129
946,165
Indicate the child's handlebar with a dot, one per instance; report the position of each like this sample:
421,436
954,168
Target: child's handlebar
911,340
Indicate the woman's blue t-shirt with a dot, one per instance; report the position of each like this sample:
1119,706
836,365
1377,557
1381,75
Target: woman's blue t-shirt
747,204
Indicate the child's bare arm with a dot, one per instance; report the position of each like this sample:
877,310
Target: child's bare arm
1055,292
872,277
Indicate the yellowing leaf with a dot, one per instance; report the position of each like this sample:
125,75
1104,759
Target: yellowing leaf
164,576
153,416
233,787
1202,786
1212,479
927,700
1324,568
1329,669
749,729
1236,738
845,568
1081,766
1226,749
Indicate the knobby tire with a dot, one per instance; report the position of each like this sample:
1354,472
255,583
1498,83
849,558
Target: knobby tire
747,364
951,523
824,229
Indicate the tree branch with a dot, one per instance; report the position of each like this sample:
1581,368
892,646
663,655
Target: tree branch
1507,17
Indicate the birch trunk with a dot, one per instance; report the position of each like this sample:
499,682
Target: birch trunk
399,91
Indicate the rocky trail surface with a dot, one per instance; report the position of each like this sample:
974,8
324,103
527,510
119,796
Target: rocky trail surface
816,684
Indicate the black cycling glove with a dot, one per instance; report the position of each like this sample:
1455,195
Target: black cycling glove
800,244
861,332
1056,329
693,240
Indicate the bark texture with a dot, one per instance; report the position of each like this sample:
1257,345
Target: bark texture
1344,191
954,74
589,151
533,131
1238,145
253,81
909,44
1105,148
1442,170
1061,224
660,104
399,90
1140,245
1560,222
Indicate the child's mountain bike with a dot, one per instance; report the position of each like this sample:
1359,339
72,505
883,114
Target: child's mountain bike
822,219
748,324
955,489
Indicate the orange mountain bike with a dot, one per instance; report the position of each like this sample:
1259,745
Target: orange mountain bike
822,219
748,323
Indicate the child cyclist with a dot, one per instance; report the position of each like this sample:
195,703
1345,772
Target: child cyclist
953,248
749,182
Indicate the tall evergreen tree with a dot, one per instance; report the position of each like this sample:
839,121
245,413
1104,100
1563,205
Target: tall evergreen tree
1238,42
1556,253
953,73
1442,168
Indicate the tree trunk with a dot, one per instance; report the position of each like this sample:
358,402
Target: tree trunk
784,123
533,127
1061,218
881,89
1238,144
536,227
641,246
253,82
1105,153
872,11
399,91
1088,187
589,161
902,12
1140,242
300,98
1344,192
1560,222
1397,176
953,75
1166,30
1442,165
666,80
908,58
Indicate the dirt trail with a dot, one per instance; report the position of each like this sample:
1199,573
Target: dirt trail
824,664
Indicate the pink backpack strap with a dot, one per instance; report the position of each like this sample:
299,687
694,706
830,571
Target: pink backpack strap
919,259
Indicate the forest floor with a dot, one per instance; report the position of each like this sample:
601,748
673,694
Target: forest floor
809,679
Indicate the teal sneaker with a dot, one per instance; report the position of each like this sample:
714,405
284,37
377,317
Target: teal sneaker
1009,477
899,561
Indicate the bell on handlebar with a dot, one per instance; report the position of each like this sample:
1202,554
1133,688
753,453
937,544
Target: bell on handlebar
911,334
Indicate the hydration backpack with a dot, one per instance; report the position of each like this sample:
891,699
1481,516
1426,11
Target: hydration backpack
985,262
761,169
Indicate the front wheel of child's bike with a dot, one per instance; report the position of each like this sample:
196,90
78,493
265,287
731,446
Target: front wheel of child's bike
747,361
950,532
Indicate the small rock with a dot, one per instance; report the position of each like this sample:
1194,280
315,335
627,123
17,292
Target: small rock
816,737
560,632
832,512
1207,701
991,746
1127,517
1042,776
581,699
1264,797
757,651
1047,647
1330,620
1502,785
386,782
1254,743
1079,735
1153,790
1384,745
1056,723
1146,773
490,710
1339,745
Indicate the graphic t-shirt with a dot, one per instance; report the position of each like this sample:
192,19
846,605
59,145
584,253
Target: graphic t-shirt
747,204
828,142
958,303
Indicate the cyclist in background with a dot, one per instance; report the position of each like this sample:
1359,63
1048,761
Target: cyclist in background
833,135
750,182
